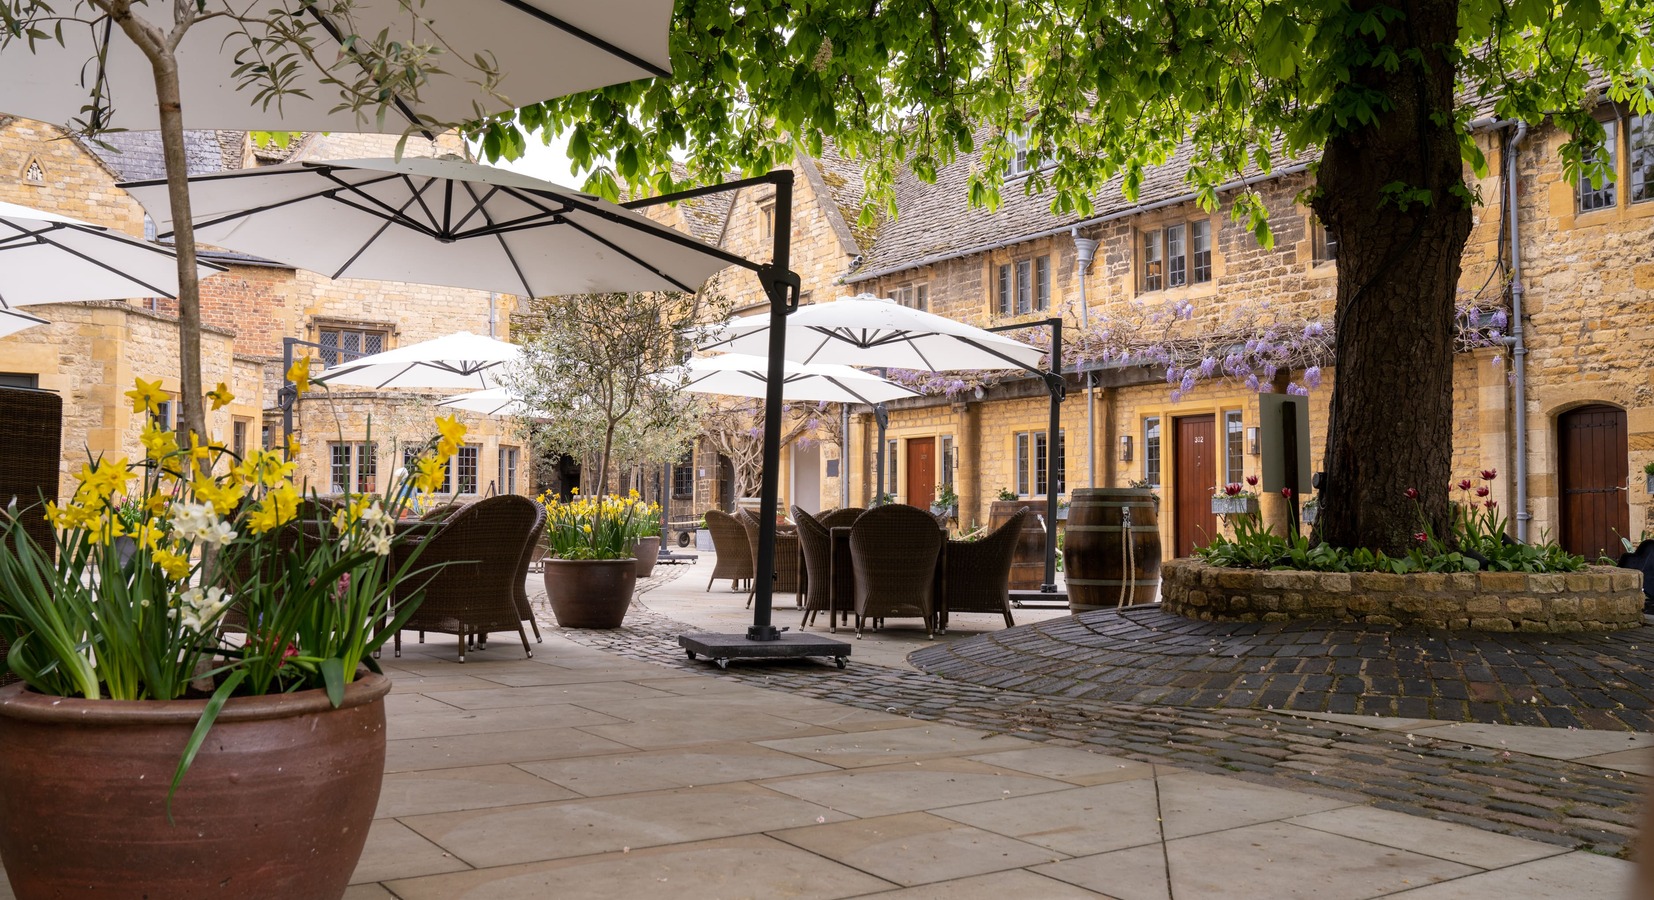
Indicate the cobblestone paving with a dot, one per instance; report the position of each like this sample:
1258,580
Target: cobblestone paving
1510,793
1145,655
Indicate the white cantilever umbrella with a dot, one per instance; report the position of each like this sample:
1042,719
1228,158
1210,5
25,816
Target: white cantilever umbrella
456,361
540,48
439,221
496,401
744,375
48,258
872,331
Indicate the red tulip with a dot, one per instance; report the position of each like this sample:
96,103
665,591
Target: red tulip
1489,474
1491,504
1252,480
1287,493
1464,484
1482,491
1421,537
1412,493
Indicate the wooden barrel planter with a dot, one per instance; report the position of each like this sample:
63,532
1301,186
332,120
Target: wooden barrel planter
1028,563
1113,548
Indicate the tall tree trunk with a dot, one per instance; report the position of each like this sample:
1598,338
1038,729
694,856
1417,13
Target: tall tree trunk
190,392
603,461
1398,272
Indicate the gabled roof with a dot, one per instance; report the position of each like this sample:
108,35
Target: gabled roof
838,180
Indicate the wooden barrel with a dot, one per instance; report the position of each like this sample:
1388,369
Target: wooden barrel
1112,550
1028,563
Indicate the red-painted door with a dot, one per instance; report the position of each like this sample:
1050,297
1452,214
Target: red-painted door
921,472
1194,474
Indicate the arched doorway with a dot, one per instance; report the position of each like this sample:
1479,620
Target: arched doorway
1592,464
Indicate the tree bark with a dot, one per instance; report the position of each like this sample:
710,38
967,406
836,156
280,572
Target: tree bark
190,392
1399,260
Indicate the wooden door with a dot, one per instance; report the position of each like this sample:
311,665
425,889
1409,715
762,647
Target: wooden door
921,472
1194,475
1594,462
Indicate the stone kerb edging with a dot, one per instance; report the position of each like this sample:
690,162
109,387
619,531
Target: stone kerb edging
1599,598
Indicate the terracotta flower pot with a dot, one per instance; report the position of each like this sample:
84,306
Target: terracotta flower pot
590,593
276,804
647,552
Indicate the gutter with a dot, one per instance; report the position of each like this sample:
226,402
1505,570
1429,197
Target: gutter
1518,341
1133,210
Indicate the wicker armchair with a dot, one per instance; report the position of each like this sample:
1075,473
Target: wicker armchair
729,542
815,553
976,575
531,547
894,552
469,572
786,556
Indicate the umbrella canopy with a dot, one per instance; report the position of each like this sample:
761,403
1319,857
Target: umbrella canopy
12,322
744,375
48,258
490,402
541,49
460,360
872,331
439,221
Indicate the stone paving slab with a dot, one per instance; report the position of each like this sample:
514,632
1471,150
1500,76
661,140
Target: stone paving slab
1558,802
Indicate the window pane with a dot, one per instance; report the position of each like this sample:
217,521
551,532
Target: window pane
683,477
1022,464
1042,283
1200,252
1177,272
372,342
1642,157
329,355
1039,462
1594,197
1005,290
238,437
367,468
1019,153
1153,275
946,457
890,468
921,297
1151,451
339,454
1062,462
1025,286
466,463
1234,447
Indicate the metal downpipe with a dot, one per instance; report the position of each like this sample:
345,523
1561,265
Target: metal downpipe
1519,347
1085,250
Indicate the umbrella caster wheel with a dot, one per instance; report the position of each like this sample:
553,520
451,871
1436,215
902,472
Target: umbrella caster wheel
691,653
839,661
722,662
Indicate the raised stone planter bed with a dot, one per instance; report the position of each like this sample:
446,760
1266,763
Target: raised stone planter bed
1599,598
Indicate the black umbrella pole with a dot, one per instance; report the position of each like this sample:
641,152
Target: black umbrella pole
775,285
1053,436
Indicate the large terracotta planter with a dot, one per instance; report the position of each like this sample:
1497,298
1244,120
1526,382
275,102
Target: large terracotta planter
277,803
590,593
647,552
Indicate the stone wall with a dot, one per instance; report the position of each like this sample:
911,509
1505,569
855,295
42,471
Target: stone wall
1598,598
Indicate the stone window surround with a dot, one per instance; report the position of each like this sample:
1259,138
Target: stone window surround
1623,208
999,267
1025,470
1158,222
318,324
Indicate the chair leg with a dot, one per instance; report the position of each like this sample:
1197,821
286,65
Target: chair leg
709,584
422,635
524,635
536,626
396,643
462,643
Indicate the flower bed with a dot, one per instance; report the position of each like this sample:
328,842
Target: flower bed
1597,598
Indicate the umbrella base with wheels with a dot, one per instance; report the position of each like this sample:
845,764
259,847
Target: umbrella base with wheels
721,648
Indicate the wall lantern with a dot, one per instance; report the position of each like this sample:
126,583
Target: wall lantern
1125,448
1252,440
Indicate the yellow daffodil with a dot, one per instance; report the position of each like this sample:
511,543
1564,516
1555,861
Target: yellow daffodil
158,442
223,496
147,396
432,475
104,480
276,509
292,446
299,374
175,565
453,435
220,396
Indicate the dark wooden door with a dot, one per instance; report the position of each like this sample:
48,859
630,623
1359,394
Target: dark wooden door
1594,463
921,472
1194,475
